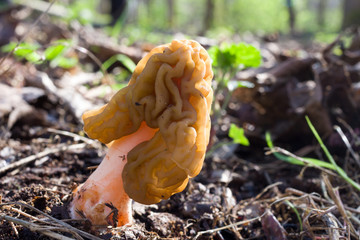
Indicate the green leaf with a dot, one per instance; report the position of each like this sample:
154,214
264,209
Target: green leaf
123,59
233,56
248,55
64,62
24,49
238,136
8,47
34,57
12,45
22,52
54,51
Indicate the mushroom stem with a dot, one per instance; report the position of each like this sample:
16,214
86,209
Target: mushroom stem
102,199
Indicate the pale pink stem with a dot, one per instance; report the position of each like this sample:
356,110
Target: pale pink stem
105,185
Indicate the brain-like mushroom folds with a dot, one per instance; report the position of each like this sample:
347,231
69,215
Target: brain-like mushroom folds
170,90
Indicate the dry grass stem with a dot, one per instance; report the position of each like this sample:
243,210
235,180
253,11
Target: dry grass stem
319,199
53,224
334,194
32,158
35,227
74,136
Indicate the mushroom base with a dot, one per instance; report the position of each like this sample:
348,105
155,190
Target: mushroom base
102,199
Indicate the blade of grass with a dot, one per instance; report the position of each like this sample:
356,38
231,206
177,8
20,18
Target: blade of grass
338,169
125,60
306,161
296,213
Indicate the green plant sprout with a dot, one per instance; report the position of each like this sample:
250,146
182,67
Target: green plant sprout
230,58
120,78
26,51
227,60
55,54
312,162
123,59
237,135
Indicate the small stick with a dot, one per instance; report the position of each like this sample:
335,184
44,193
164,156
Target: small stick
267,188
44,153
26,215
316,198
330,221
73,135
68,226
229,226
334,194
14,229
92,167
34,227
348,145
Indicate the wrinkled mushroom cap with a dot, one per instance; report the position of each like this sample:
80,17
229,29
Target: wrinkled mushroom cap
170,90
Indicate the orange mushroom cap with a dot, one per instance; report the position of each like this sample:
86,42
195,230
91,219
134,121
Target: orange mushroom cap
170,90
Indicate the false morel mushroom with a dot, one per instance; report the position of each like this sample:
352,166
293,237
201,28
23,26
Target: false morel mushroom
157,129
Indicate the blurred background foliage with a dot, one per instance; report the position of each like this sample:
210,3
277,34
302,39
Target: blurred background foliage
154,20
226,18
236,16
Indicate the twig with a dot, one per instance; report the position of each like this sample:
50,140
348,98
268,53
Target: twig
319,199
268,187
325,214
62,223
26,214
229,226
73,135
233,225
350,129
348,145
330,221
14,229
334,194
34,227
44,153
